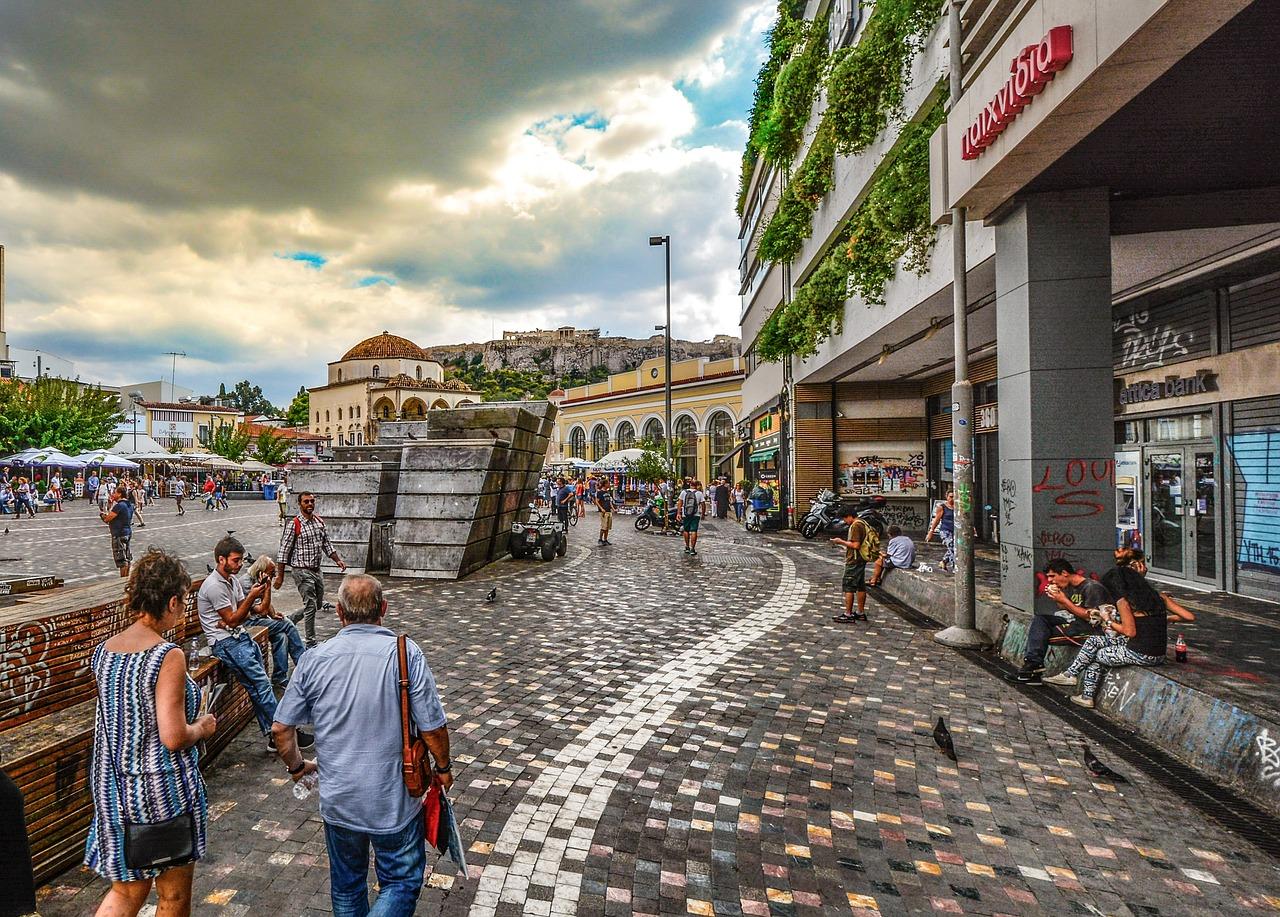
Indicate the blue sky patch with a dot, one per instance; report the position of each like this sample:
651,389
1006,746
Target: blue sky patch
313,260
375,279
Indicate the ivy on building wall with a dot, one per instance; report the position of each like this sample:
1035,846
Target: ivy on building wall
891,225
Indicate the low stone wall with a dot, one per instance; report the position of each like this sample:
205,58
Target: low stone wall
350,496
47,709
1227,743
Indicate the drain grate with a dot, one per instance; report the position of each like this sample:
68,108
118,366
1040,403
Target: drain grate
733,560
1230,810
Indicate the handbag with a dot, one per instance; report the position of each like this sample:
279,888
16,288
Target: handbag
414,765
153,845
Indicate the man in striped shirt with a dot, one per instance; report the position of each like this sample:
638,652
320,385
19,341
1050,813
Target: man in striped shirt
304,543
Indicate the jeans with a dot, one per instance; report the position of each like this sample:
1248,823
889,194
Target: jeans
399,859
243,657
1038,640
310,585
739,511
286,644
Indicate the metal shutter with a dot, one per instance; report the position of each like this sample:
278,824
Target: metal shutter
1255,453
1255,312
1147,334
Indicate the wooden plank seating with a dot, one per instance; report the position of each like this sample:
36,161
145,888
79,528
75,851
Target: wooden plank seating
18,585
47,708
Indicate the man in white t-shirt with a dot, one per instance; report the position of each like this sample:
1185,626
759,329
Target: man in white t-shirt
689,510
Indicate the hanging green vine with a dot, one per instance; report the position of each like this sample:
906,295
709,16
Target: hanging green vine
865,88
890,225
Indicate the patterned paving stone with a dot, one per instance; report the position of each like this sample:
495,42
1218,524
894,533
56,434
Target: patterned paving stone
637,732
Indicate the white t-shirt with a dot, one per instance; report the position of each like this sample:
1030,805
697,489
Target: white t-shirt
694,495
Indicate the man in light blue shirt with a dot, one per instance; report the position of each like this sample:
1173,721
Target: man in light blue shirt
349,689
898,554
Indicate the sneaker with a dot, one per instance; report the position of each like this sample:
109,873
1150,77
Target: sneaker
845,619
1081,701
1062,680
1029,676
693,552
305,739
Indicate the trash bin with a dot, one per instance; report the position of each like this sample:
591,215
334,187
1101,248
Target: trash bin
269,490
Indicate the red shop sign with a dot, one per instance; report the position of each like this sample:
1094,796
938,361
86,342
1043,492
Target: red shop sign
1032,70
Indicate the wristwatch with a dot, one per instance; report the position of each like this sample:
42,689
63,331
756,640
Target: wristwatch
295,771
445,769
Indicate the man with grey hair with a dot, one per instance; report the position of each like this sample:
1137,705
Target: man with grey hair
349,689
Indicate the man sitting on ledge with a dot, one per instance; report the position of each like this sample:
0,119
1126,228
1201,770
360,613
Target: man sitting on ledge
225,606
1075,595
898,554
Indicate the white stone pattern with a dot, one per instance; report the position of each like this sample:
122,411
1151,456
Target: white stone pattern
576,786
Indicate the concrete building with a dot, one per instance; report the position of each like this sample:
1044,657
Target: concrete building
385,377
629,407
184,425
1123,273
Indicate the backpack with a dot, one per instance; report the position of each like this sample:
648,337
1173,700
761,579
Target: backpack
869,548
690,503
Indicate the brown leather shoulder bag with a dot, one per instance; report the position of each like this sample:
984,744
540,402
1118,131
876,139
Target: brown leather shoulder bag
415,765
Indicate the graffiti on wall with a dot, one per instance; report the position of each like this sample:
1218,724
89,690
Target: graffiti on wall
1269,754
1148,346
1258,546
888,469
24,663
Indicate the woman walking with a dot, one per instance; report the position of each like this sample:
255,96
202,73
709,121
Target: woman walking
1142,621
144,769
944,523
23,499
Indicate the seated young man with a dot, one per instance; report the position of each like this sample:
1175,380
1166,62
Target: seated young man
898,554
1075,596
286,642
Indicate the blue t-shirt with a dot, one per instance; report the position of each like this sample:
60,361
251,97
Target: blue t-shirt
564,495
122,524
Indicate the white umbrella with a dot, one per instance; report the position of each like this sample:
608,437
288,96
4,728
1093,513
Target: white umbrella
255,465
106,459
616,461
217,461
42,458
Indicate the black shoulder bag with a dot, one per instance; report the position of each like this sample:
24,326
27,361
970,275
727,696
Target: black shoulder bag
152,845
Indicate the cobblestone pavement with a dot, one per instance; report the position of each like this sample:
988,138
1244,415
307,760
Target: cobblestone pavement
76,546
636,731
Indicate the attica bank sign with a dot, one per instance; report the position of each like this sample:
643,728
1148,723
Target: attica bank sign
1171,387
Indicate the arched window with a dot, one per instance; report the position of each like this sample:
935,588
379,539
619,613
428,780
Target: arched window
653,432
720,432
419,371
599,442
317,416
686,447
339,413
340,443
326,416
626,435
377,371
578,443
339,375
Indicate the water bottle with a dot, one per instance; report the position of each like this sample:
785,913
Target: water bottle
1180,649
306,786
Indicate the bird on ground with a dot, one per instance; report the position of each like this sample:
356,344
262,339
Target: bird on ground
942,735
1100,770
6,530
410,434
493,595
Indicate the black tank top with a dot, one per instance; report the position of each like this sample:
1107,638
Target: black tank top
1152,638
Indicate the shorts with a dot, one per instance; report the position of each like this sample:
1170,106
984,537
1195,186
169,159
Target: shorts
120,552
855,577
690,523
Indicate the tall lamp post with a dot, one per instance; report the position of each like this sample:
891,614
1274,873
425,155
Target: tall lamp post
665,241
136,398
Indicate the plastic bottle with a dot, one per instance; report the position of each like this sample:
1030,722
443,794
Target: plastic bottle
1180,649
306,786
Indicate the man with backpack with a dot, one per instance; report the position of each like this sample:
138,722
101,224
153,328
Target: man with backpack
304,543
862,546
690,504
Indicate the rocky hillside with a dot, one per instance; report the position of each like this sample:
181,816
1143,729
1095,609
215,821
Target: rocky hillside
578,357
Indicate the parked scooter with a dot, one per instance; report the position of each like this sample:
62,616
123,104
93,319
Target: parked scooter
651,516
826,515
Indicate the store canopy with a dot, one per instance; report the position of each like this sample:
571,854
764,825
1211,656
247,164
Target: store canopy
617,461
106,459
763,455
42,458
732,455
217,462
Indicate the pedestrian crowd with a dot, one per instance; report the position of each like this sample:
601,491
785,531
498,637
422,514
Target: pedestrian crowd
150,817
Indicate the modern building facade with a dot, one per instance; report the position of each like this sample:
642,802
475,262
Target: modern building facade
385,377
628,408
1122,257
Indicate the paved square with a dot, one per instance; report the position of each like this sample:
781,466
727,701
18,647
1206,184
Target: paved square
637,731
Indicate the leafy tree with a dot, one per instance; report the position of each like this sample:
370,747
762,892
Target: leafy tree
248,398
56,412
299,413
229,441
652,465
273,447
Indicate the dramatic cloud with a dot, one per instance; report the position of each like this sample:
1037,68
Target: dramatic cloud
261,185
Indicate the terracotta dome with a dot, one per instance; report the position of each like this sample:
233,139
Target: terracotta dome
383,347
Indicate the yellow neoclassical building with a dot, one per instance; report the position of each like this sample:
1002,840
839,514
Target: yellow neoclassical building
385,377
628,408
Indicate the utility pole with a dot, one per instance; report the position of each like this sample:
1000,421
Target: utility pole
665,241
963,634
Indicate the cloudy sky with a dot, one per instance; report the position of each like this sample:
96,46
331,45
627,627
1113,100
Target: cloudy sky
262,185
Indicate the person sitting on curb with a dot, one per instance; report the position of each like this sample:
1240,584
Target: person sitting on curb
1143,623
1076,596
286,642
898,554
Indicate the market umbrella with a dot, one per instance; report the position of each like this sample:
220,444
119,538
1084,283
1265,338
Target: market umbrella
217,462
616,462
255,465
106,459
42,458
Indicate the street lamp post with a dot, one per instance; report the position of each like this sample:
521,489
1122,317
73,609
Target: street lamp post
136,398
665,241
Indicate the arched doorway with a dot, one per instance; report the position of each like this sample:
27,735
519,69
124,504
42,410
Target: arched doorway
685,443
414,409
720,436
384,409
578,443
626,435
653,433
599,442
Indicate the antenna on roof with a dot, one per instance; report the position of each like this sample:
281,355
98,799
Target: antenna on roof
174,372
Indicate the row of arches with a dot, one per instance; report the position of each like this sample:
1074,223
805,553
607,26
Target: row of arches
412,409
719,432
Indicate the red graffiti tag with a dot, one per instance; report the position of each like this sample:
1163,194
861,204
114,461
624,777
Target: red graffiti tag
1073,474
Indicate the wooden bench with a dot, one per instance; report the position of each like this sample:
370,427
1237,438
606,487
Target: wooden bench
48,704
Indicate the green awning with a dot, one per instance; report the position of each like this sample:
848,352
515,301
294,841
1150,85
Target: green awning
763,455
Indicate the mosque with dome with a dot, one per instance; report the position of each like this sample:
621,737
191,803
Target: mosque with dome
385,377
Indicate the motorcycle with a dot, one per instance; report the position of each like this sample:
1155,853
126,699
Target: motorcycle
826,515
651,517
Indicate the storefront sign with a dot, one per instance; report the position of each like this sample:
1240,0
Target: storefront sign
987,417
1031,71
1171,387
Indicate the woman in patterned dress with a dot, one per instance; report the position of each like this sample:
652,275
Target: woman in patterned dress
147,722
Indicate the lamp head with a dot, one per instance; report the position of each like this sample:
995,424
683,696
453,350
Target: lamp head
658,240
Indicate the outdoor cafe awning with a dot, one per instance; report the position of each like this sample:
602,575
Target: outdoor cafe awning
763,455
